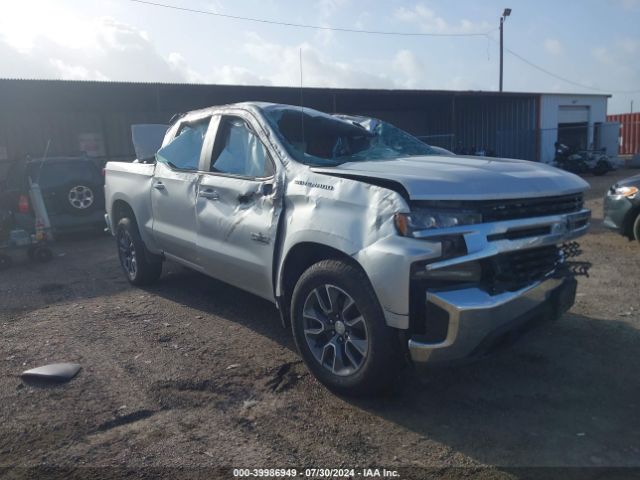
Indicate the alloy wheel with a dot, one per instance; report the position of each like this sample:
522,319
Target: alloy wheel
81,197
335,330
127,253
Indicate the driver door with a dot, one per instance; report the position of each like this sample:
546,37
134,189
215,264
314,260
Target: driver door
237,208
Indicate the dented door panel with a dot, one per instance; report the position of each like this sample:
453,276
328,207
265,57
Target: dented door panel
173,196
236,229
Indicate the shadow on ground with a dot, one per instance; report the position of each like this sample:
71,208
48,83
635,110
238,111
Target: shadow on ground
566,394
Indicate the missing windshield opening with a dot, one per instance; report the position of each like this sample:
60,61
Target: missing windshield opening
318,139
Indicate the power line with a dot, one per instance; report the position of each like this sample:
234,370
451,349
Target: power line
383,32
314,27
558,77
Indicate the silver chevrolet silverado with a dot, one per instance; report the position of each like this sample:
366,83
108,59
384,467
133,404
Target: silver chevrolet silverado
375,247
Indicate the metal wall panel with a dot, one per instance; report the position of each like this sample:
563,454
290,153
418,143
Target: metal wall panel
34,111
503,125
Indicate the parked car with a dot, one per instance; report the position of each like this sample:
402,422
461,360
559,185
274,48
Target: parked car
72,188
622,207
371,244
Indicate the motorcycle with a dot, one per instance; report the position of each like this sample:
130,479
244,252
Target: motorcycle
582,161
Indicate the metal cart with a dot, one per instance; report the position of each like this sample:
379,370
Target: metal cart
14,239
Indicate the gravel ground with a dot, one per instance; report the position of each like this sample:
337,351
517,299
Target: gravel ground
197,375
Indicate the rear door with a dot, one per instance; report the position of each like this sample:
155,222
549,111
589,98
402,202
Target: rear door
238,207
173,192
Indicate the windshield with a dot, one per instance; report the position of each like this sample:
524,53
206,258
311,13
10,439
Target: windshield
319,139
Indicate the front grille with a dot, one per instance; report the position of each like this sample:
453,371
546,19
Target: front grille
511,209
532,207
514,270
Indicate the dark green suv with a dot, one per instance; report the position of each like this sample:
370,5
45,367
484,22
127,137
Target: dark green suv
72,187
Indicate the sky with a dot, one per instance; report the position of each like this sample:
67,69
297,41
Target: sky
595,43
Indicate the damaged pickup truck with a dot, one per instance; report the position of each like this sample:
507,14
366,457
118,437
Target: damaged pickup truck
375,247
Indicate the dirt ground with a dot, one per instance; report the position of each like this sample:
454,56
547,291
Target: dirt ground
193,376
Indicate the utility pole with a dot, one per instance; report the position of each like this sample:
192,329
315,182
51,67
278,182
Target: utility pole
505,14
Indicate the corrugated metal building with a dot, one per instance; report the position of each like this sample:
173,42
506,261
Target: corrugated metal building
96,116
629,132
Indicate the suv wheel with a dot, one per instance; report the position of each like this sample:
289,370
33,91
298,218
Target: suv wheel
81,198
140,266
636,228
340,331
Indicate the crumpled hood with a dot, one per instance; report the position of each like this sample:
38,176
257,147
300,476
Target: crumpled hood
465,178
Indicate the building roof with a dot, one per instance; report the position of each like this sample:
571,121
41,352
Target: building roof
337,90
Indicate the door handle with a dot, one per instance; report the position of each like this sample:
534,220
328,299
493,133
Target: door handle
159,186
209,193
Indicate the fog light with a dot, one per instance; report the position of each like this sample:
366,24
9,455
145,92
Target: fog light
463,272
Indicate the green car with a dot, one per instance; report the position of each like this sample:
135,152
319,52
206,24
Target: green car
622,207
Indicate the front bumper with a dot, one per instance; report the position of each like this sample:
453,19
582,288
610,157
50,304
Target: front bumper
478,321
388,262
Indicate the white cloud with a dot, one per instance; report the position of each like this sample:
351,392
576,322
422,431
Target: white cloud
409,68
553,46
76,72
112,50
317,69
430,22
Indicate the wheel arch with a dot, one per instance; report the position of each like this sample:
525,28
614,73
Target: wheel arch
629,221
297,260
121,209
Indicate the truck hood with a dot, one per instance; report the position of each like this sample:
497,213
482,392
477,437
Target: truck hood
463,177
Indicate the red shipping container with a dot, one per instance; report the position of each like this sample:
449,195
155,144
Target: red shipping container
629,132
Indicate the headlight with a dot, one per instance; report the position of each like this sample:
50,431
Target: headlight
423,219
629,192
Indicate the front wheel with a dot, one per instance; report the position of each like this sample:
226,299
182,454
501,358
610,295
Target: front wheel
340,330
140,266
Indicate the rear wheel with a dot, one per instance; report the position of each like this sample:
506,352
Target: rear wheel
42,254
340,330
82,197
5,262
140,266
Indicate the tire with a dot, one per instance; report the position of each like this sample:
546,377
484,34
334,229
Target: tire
42,254
81,197
139,266
602,167
350,350
5,262
636,228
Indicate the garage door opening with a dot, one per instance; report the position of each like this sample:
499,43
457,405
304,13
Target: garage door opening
574,135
